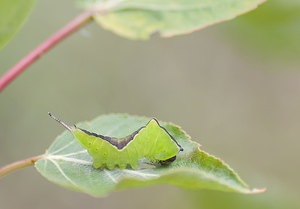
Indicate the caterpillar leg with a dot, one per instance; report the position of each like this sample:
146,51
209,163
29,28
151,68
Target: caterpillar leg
167,161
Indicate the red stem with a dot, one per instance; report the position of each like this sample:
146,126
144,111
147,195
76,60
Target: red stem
18,165
67,30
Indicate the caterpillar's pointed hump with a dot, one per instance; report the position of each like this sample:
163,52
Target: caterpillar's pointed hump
154,121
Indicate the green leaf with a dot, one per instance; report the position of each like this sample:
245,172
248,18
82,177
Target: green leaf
66,163
13,14
138,19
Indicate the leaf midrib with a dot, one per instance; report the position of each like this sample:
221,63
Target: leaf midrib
156,7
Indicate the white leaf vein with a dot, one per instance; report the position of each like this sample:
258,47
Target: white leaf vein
62,172
113,179
63,148
75,153
69,159
139,173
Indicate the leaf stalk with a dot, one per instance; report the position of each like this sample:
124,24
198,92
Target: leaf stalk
49,43
19,164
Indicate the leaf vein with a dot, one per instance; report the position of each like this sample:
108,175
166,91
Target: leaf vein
110,176
63,148
68,159
62,172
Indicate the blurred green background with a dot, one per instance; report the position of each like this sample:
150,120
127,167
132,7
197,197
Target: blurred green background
234,87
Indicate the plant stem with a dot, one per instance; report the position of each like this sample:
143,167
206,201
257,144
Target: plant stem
18,165
67,30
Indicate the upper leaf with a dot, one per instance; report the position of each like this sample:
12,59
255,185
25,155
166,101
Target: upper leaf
68,164
13,14
138,19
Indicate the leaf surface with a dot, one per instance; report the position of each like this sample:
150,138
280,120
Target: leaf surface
138,19
13,14
66,163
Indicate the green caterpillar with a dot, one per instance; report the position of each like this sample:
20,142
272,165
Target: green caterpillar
151,141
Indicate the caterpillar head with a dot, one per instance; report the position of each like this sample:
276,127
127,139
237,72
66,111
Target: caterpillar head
166,148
